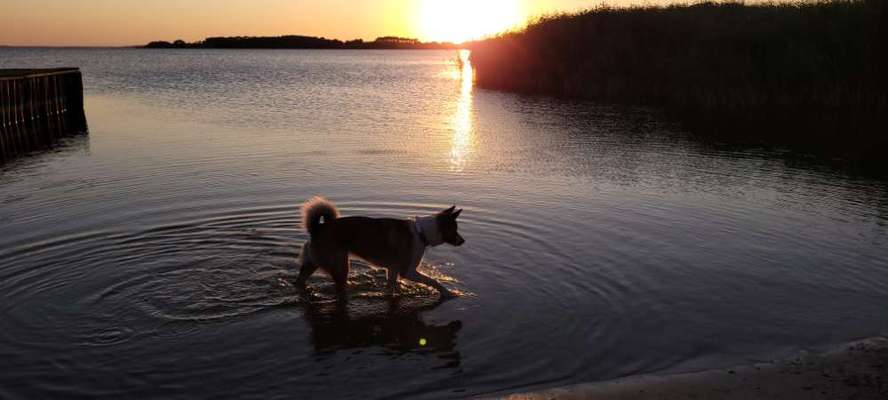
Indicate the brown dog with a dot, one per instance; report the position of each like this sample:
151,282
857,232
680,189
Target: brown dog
395,244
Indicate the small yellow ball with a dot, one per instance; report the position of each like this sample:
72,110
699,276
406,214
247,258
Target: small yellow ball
423,342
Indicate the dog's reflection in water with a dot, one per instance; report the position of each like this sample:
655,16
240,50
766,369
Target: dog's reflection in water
395,324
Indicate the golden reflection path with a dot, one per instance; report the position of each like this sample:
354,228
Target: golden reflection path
462,140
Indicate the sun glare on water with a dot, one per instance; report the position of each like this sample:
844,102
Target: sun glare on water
462,142
462,20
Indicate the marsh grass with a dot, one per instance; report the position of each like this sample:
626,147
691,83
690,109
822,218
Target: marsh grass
784,64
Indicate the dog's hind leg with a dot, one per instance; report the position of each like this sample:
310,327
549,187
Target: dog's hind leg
392,282
338,270
309,266
418,277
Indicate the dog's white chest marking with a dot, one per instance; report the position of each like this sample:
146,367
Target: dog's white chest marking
425,233
427,227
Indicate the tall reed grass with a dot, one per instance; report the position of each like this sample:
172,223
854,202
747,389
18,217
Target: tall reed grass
712,61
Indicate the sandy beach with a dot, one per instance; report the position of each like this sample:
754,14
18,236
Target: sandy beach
855,370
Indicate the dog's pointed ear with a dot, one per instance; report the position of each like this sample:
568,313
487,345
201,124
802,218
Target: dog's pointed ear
456,214
450,210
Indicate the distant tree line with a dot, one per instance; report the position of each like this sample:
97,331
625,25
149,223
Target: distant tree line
299,42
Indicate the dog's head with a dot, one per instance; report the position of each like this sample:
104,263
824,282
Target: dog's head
446,221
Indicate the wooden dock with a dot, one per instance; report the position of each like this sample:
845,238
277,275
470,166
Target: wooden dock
38,106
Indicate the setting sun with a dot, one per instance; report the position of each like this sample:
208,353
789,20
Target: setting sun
462,20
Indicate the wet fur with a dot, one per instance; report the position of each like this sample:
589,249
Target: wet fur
389,243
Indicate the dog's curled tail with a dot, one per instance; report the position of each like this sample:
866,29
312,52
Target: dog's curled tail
316,208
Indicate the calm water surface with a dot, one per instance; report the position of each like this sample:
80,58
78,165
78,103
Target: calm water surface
151,258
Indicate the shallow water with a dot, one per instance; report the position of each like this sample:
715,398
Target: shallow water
151,257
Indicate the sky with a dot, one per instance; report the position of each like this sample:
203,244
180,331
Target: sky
135,22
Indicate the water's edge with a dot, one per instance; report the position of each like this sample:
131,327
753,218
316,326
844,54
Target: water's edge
855,370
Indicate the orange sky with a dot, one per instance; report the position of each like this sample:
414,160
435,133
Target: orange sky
131,22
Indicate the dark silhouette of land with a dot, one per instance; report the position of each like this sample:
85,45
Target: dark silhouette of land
300,42
799,73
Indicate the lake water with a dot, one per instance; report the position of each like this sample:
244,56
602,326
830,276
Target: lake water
151,257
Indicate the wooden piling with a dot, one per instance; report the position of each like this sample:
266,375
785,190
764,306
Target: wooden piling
38,106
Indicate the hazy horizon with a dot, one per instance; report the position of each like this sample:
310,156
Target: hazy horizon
101,23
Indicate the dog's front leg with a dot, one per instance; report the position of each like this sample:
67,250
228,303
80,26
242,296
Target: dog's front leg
418,277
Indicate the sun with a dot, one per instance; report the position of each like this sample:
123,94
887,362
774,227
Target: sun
458,21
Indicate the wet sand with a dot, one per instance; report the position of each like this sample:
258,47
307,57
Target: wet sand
857,370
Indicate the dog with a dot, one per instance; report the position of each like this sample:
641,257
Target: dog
394,244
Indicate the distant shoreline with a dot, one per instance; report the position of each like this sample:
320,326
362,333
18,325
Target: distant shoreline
293,42
303,42
142,47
